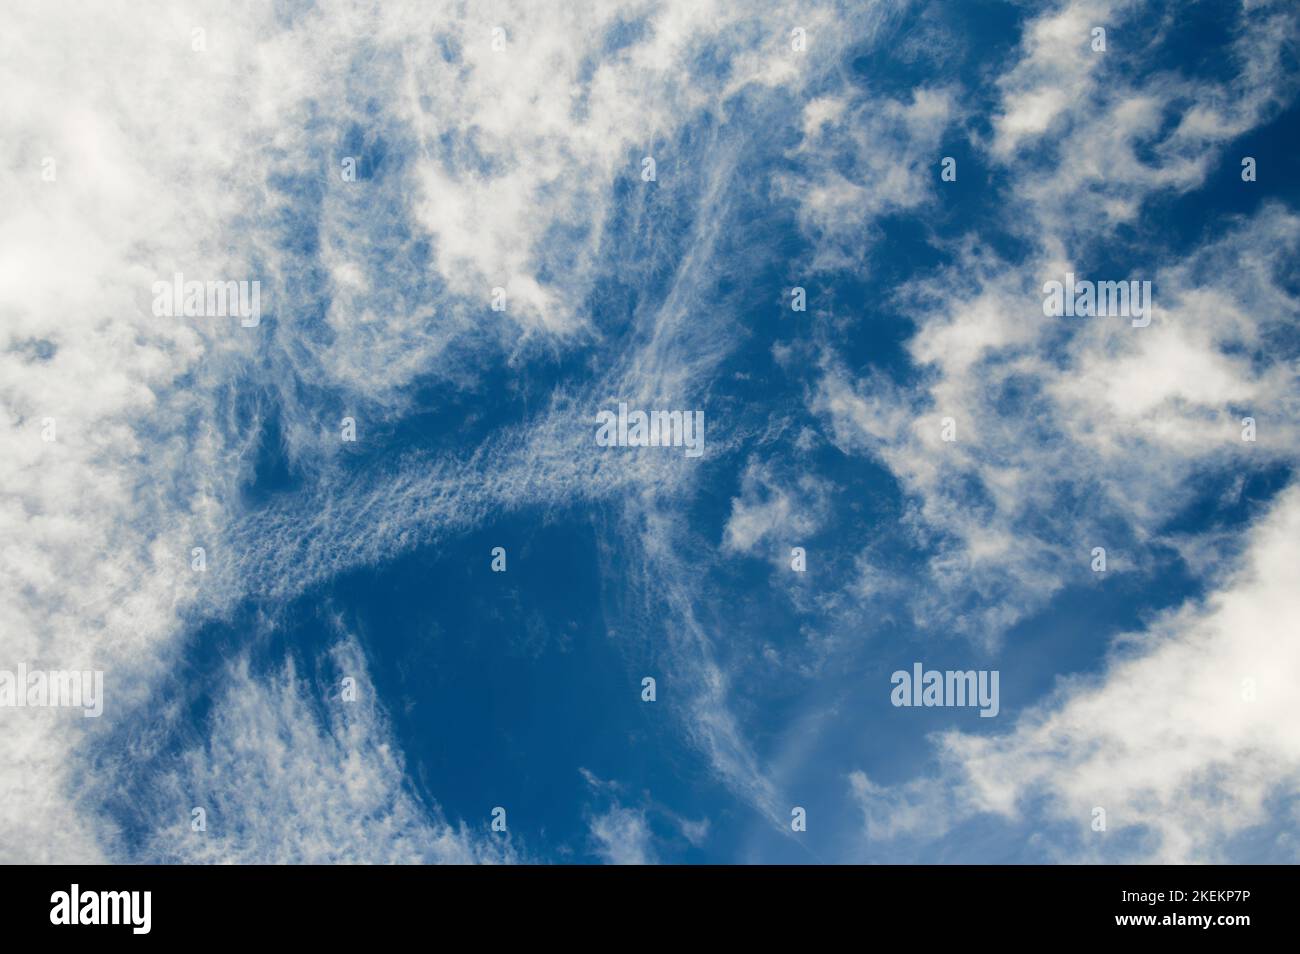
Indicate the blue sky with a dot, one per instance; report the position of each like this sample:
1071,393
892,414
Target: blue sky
501,146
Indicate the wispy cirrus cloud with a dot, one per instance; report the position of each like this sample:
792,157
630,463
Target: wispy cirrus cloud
219,150
293,769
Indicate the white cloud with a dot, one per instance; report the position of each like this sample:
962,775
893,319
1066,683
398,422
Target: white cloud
1186,734
1088,139
1090,408
860,161
622,836
1056,70
770,513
